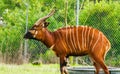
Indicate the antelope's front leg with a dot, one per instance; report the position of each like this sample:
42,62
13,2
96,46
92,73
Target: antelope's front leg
63,63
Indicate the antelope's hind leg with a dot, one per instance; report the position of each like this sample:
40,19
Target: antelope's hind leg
104,67
100,63
97,67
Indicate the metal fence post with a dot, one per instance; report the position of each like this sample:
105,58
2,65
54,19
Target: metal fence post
77,21
77,12
26,41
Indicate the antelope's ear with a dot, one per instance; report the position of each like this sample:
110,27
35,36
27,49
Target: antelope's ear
46,24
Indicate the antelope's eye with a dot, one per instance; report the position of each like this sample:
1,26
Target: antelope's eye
35,27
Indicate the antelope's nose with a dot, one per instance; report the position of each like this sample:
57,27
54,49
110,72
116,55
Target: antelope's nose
28,35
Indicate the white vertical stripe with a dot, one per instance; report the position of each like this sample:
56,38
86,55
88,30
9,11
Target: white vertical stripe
92,37
72,40
83,38
96,41
108,46
88,37
77,30
36,32
62,41
101,45
67,41
85,41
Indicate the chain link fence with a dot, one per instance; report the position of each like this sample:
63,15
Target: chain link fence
103,15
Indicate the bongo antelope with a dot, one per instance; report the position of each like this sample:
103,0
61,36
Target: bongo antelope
72,41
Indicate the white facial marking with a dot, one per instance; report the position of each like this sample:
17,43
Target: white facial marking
36,32
43,24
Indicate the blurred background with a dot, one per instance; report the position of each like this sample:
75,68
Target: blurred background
17,16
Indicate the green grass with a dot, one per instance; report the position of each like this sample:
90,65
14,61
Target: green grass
29,69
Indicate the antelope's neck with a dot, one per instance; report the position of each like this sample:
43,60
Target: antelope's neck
48,38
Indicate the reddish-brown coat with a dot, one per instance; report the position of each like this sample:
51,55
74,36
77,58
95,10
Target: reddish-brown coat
72,41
